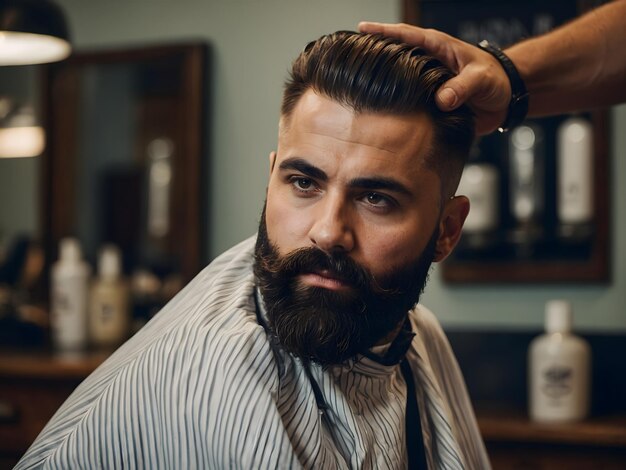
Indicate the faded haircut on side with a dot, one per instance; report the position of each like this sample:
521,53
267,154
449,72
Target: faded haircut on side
373,73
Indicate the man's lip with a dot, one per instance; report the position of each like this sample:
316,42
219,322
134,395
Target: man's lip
325,279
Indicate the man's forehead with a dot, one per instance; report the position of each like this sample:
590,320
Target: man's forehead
316,115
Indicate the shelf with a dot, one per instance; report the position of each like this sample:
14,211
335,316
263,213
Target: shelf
42,365
514,426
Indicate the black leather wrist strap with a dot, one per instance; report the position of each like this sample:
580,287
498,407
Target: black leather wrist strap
518,106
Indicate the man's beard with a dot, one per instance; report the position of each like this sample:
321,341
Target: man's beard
325,326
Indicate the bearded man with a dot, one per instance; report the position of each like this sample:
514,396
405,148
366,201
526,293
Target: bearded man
304,347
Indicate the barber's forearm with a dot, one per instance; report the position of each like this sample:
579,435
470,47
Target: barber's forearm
578,66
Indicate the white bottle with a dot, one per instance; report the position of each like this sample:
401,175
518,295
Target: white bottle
575,171
526,174
480,183
69,286
109,303
559,369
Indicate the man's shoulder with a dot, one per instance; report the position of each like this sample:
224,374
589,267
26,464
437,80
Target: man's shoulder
232,266
219,301
224,286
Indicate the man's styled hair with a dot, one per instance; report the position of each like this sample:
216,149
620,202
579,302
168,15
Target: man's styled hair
373,73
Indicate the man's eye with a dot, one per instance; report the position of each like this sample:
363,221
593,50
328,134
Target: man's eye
302,184
379,203
377,200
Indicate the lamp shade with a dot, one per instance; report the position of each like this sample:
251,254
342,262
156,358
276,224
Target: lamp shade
32,32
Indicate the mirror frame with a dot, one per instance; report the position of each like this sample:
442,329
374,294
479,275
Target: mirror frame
58,171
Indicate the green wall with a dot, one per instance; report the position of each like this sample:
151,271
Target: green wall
18,176
253,43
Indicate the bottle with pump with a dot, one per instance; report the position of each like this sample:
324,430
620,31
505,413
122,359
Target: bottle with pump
559,369
69,289
109,304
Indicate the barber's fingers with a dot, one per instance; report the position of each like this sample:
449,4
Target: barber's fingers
468,85
484,87
438,44
482,83
406,33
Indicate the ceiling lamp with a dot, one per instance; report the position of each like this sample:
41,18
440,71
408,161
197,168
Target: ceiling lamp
32,32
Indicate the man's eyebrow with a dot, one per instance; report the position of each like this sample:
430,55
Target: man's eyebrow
380,183
371,183
301,165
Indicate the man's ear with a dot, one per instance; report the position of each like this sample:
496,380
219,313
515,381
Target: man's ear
450,224
272,160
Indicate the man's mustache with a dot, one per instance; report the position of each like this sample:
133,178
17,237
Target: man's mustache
337,266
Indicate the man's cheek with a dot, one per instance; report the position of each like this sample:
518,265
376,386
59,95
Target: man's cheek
286,227
272,214
383,257
276,232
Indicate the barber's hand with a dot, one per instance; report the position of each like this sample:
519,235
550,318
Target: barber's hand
480,82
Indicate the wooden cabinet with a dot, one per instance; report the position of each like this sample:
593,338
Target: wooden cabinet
513,442
32,387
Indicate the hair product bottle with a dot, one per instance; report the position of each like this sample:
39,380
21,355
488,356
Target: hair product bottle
109,304
559,369
575,176
69,285
526,183
160,152
480,183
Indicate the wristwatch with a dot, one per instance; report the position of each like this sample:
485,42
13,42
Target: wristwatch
518,106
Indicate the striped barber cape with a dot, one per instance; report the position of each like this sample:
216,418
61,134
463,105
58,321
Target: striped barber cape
201,387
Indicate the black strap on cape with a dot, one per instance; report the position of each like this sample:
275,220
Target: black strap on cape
414,437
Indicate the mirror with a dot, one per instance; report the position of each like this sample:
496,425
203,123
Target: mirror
124,155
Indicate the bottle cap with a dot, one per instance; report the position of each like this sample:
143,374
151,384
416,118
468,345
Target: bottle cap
558,316
70,250
109,262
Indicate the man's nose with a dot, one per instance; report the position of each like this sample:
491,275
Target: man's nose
332,229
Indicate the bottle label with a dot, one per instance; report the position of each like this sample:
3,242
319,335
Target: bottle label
109,317
557,381
106,313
